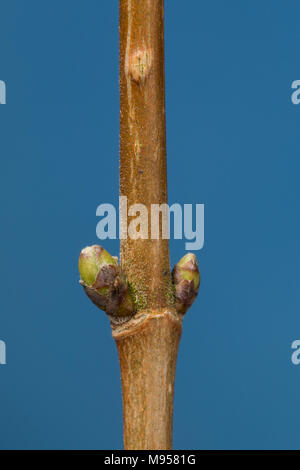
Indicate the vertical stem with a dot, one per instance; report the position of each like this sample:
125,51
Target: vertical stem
148,353
147,344
143,175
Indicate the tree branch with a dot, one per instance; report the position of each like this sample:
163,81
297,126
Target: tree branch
144,301
148,349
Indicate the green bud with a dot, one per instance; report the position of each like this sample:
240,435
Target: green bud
90,261
105,283
186,279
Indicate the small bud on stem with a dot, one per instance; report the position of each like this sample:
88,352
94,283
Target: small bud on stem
186,279
105,283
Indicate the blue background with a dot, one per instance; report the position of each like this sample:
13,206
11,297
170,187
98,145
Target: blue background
233,140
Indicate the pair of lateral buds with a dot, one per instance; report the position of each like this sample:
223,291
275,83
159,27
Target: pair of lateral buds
106,284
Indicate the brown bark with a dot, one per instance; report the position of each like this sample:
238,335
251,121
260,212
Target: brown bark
148,353
143,175
148,343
